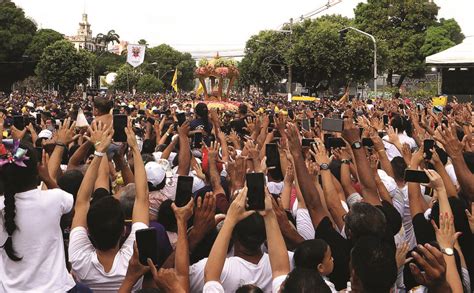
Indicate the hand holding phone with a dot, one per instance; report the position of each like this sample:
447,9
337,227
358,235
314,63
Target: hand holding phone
256,191
120,122
147,245
184,190
428,145
416,176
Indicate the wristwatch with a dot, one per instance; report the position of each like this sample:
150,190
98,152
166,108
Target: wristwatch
448,251
356,145
324,166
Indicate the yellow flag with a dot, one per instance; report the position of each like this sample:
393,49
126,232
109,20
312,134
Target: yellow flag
200,89
174,82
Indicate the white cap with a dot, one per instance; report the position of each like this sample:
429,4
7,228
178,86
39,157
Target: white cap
45,133
174,105
30,105
154,173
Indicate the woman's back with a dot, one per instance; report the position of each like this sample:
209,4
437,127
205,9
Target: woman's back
38,241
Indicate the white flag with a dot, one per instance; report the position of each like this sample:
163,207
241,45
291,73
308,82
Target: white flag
81,120
135,54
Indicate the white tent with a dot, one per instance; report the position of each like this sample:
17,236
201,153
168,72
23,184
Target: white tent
459,54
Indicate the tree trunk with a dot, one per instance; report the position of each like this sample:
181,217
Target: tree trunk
400,81
389,78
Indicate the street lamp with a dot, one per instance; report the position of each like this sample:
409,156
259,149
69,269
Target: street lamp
342,34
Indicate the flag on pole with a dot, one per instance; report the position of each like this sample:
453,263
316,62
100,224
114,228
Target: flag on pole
174,82
135,54
200,89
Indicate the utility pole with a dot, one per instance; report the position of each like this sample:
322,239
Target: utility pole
290,70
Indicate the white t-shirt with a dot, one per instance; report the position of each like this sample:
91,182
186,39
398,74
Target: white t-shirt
39,241
236,272
304,225
392,150
89,270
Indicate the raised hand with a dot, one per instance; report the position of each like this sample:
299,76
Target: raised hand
166,279
470,218
436,182
293,139
183,214
131,138
204,214
447,136
183,130
319,153
446,234
66,132
430,260
237,211
350,133
401,254
18,134
100,136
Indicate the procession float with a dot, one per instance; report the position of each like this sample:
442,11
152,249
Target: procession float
216,77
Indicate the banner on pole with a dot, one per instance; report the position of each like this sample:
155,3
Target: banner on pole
135,54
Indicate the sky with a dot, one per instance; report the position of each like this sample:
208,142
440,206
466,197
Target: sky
198,26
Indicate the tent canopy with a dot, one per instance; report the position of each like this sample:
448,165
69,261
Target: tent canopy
459,54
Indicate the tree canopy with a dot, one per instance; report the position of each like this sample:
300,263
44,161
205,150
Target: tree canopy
42,39
64,67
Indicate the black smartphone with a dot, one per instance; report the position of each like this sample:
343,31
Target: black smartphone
291,114
197,140
115,111
428,145
417,176
335,142
272,154
312,122
418,107
19,122
305,124
184,190
141,112
361,130
31,120
382,134
150,120
333,125
120,122
181,118
306,142
256,191
147,245
385,119
38,119
367,142
327,136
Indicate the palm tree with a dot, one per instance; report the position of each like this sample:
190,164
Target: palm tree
110,37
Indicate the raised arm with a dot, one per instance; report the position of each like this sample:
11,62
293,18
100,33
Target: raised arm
417,203
369,188
310,194
141,205
64,138
218,254
184,159
213,172
277,252
100,137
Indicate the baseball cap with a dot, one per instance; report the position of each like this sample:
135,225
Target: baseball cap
155,173
45,133
30,105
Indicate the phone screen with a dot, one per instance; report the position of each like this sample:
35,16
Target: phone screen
272,154
428,144
38,119
19,122
120,122
181,118
184,190
147,245
291,114
385,119
335,142
416,176
305,124
256,193
312,122
367,142
197,141
333,125
306,142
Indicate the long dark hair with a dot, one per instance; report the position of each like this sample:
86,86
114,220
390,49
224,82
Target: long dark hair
17,179
203,112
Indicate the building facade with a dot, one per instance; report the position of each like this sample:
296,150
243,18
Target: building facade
84,39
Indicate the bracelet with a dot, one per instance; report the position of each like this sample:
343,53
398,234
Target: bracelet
61,145
346,161
99,154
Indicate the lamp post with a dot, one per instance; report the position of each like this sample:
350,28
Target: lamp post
342,34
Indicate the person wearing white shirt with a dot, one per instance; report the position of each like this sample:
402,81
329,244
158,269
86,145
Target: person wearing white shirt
32,257
400,125
266,271
100,262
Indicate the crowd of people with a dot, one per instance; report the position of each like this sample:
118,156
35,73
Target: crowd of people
340,213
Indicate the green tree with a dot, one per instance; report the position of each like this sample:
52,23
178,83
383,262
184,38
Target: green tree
142,42
148,83
163,60
107,62
127,78
64,67
42,39
441,37
108,38
16,32
402,25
